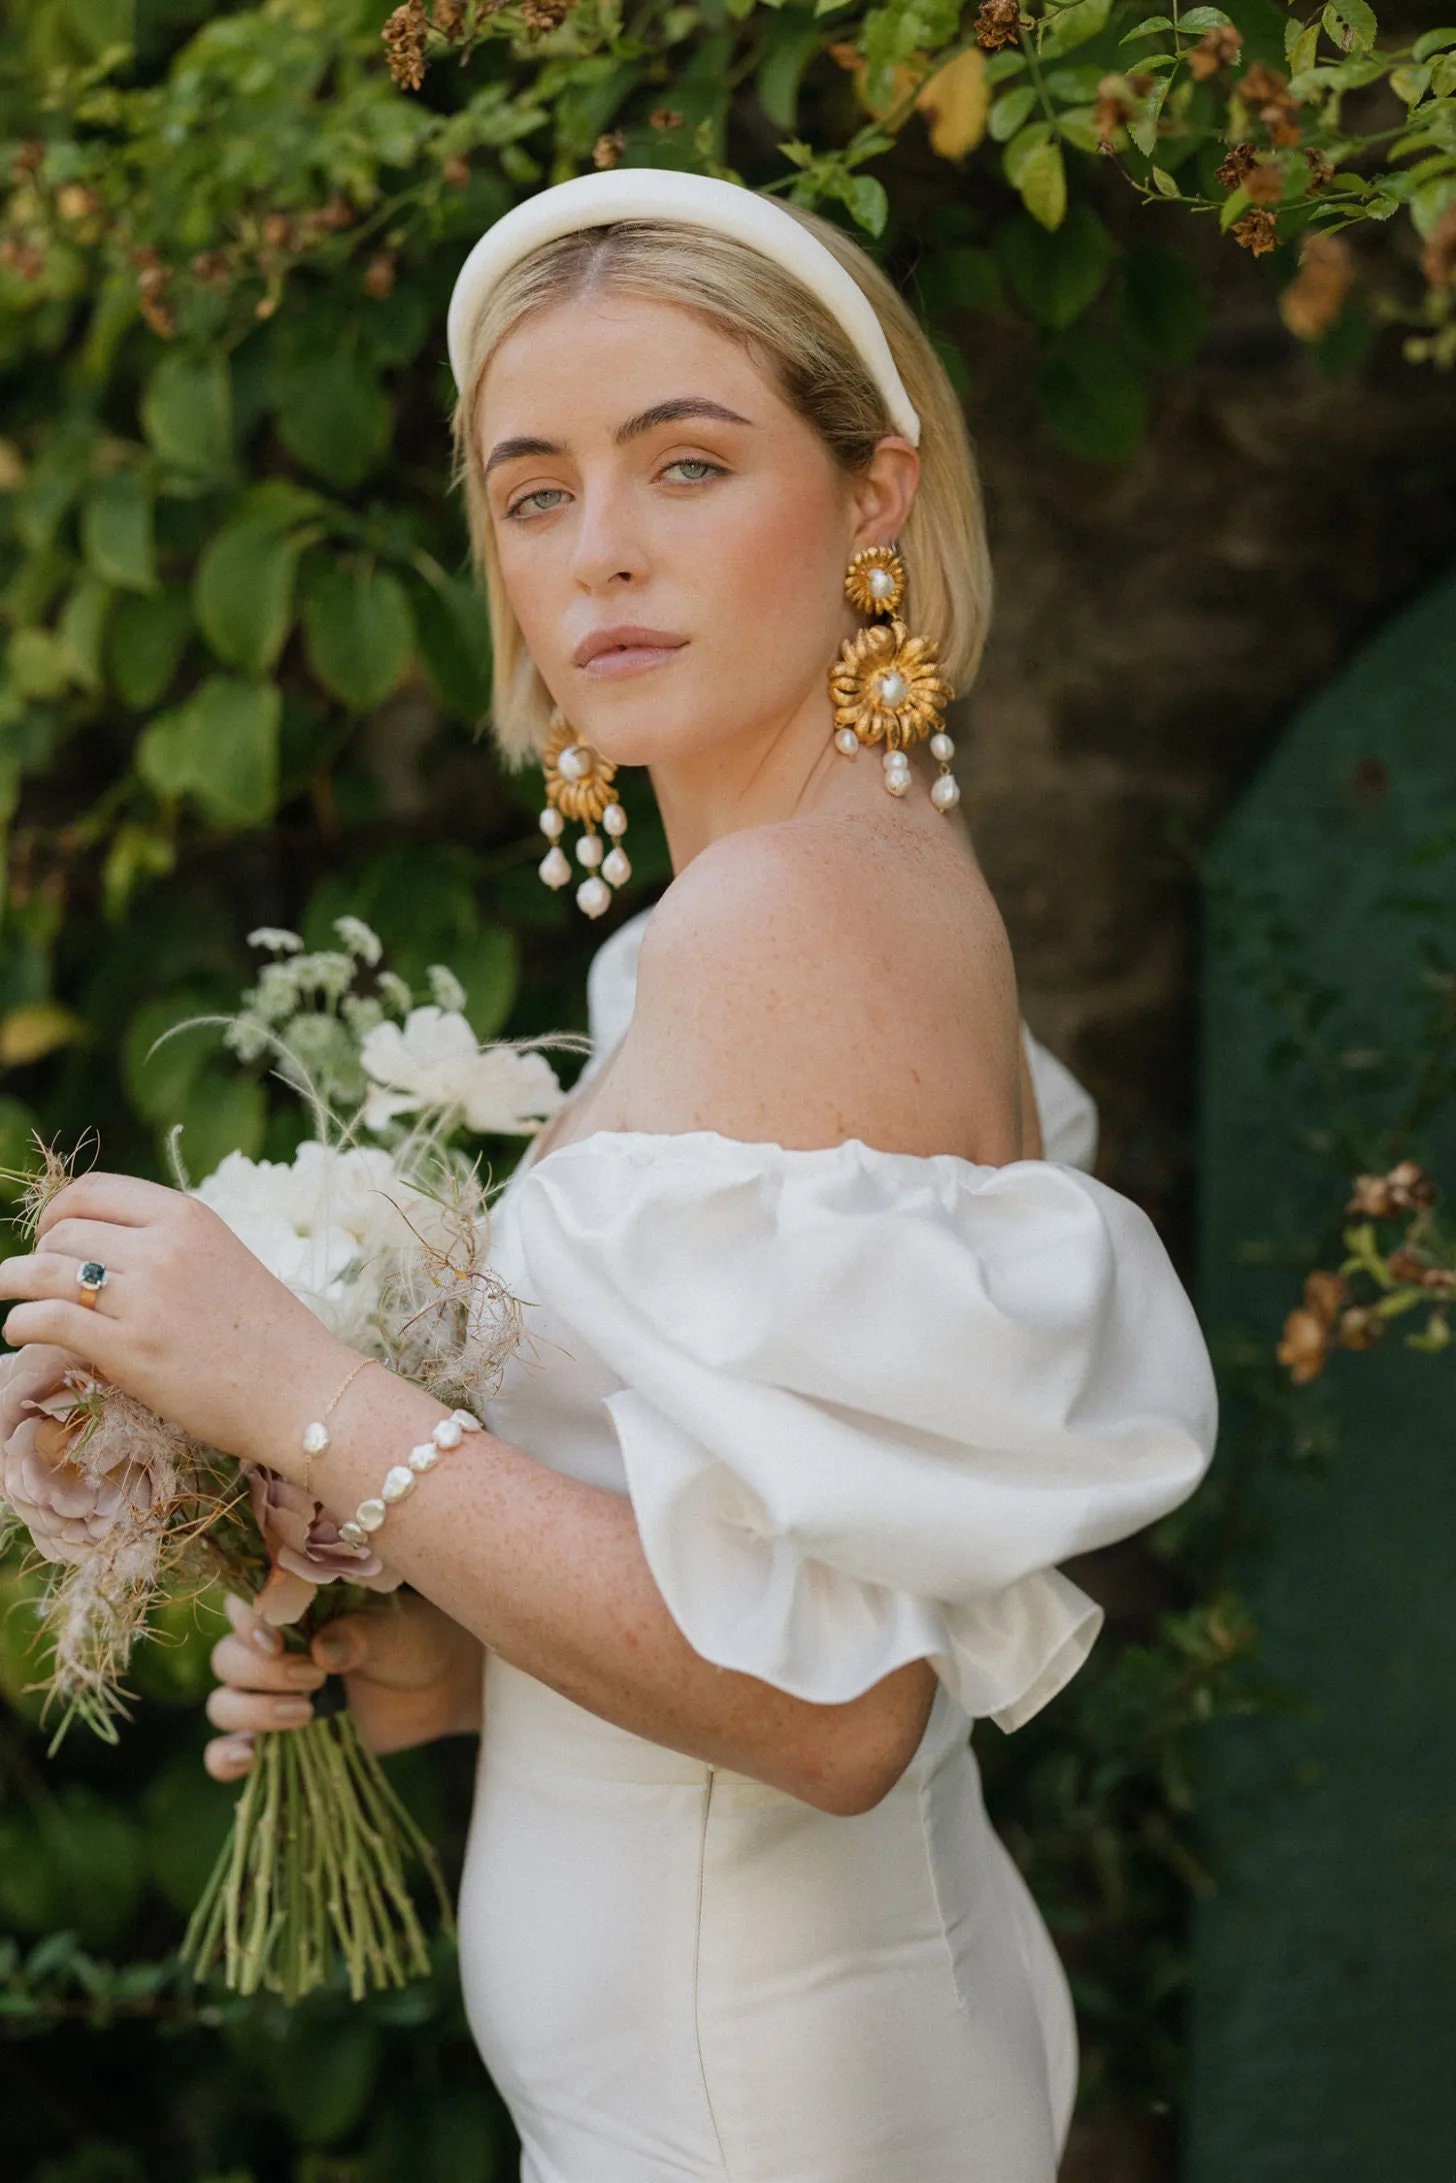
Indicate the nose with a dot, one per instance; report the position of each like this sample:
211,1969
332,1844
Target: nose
606,547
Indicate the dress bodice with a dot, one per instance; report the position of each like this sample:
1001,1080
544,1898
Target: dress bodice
863,1402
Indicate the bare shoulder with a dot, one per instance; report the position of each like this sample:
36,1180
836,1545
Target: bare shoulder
800,984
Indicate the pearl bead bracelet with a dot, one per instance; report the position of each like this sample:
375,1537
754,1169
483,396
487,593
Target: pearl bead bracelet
447,1433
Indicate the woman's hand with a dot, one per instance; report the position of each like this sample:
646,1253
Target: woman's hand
410,1674
190,1321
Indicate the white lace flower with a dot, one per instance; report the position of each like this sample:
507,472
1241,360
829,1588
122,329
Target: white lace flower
434,1062
276,937
446,991
360,939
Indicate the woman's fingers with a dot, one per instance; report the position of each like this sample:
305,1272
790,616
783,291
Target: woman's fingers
234,1660
251,1710
227,1758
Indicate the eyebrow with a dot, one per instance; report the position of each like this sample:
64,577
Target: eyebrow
670,412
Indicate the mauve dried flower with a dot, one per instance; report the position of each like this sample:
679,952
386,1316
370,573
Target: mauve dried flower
304,1546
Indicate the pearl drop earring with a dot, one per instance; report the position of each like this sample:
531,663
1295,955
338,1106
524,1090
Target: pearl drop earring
884,684
579,786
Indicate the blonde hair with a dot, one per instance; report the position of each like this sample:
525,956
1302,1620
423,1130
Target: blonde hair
754,301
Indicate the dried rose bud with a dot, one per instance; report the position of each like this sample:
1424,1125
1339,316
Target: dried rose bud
1217,49
1404,1264
379,274
666,117
1264,182
1256,231
1360,1328
1315,297
1304,1345
608,148
998,23
1324,1293
405,35
1240,158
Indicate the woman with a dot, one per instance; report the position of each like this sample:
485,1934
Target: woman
830,1358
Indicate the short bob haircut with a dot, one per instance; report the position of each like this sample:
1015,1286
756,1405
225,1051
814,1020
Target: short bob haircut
753,300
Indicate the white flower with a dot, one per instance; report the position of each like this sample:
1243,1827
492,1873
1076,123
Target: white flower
325,1223
359,938
274,936
435,1062
445,988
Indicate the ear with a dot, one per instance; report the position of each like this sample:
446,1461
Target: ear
885,493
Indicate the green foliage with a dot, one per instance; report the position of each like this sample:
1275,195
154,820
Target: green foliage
243,672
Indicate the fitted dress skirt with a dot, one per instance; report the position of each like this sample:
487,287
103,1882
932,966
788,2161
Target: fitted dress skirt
673,1970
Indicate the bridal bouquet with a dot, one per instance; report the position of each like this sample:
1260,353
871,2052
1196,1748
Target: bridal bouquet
386,1240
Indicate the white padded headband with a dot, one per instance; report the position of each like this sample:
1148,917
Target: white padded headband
660,193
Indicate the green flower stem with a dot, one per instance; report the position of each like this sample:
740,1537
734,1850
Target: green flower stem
313,1873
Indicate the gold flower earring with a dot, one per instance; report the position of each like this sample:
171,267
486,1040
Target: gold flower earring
884,684
579,786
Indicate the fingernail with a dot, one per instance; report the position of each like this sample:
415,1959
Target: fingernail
331,1652
304,1674
237,1749
266,1638
292,1710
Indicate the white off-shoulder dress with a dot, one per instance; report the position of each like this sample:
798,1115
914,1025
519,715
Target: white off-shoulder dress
863,1402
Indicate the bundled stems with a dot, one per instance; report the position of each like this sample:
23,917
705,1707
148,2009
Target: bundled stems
313,1873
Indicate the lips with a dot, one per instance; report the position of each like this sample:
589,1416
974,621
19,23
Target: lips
625,637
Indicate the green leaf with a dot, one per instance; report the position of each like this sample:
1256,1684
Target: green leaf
146,636
453,630
1351,25
1010,111
187,413
359,634
1145,28
243,592
1093,396
1044,185
790,47
81,628
1056,275
1021,148
220,748
1432,41
333,416
54,480
1203,19
866,199
1074,26
37,663
116,532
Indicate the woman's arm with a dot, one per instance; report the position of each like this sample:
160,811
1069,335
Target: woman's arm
749,992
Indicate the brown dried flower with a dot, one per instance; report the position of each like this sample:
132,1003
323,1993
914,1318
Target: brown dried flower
1264,182
1240,158
456,171
304,1546
1360,1328
1314,299
449,18
1321,169
608,148
405,36
998,23
544,15
1385,1197
1256,231
379,273
665,117
1117,97
1217,49
1305,1343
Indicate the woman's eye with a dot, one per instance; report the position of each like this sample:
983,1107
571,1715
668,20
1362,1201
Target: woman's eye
696,462
542,492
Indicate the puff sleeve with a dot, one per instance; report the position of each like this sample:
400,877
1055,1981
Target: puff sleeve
868,1400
